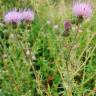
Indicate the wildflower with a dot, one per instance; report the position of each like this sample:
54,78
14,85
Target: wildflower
27,15
12,17
67,27
82,10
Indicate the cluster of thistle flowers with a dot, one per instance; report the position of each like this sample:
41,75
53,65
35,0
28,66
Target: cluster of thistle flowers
81,11
16,17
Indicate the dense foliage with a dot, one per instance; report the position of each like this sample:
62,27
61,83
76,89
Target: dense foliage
47,56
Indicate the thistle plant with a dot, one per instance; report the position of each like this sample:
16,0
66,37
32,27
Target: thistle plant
46,50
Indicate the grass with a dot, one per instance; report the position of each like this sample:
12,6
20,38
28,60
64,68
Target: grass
37,60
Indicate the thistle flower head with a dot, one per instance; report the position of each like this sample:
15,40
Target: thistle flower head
67,25
27,15
12,17
82,10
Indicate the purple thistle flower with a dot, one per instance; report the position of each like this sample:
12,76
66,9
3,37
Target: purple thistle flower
67,25
82,10
27,15
13,17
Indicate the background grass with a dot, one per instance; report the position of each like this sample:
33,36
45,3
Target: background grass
35,58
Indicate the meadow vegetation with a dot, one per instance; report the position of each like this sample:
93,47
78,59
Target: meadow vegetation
52,55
